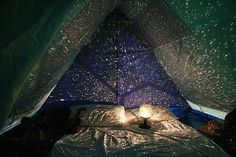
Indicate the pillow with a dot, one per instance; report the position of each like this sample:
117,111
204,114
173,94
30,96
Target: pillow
160,113
103,115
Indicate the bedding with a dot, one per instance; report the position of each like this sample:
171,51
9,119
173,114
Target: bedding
167,137
103,115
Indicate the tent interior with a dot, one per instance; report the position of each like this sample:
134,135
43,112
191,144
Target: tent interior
65,65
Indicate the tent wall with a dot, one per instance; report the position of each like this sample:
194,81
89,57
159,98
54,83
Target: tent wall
197,53
118,67
38,55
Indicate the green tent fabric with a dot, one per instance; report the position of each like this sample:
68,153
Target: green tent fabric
25,34
35,50
197,51
194,41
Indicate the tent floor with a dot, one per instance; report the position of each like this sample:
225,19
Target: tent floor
36,136
196,119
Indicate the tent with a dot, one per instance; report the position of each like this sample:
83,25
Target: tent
180,54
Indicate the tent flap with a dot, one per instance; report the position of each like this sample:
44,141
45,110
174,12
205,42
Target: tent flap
32,64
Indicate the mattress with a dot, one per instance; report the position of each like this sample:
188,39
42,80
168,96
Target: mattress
168,137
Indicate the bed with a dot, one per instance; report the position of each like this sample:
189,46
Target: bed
113,131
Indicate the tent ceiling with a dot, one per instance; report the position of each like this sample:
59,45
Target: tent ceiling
38,45
117,66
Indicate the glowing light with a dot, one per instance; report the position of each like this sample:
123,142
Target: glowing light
145,111
121,115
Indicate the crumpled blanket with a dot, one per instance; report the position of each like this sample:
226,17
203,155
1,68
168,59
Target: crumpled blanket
165,138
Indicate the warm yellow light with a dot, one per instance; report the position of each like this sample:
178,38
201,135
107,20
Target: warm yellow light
121,114
145,111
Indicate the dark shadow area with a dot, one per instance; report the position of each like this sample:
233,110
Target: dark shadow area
35,136
222,132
